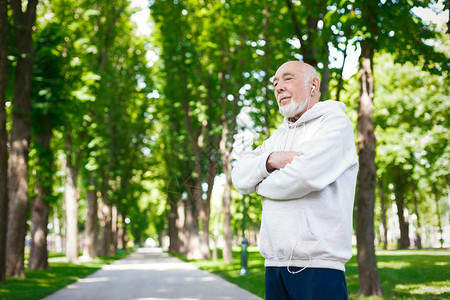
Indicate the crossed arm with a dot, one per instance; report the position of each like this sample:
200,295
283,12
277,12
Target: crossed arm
291,175
279,159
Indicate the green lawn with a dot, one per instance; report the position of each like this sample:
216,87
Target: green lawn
39,284
405,274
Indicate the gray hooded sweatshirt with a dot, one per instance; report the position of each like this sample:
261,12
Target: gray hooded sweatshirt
307,205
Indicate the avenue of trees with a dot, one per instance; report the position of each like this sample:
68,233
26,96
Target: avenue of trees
109,136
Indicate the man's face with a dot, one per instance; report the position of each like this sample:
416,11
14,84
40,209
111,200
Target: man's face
291,92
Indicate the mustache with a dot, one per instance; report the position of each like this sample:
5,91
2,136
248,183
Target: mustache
283,95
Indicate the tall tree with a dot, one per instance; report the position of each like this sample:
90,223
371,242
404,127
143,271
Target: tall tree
206,64
71,196
20,136
400,185
379,29
4,33
48,94
90,227
382,196
367,267
40,208
174,26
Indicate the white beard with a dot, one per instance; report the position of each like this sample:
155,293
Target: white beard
293,108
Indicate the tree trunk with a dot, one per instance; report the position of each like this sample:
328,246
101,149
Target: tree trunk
204,241
4,32
121,232
192,241
105,225
367,264
71,201
383,214
174,199
325,82
226,149
404,225
438,214
227,253
206,204
181,225
125,236
174,240
114,220
215,256
193,207
418,242
211,171
340,83
40,212
90,226
192,246
20,138
57,230
226,200
38,253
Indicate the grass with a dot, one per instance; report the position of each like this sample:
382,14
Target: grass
404,274
38,284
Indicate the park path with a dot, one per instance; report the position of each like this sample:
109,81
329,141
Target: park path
151,274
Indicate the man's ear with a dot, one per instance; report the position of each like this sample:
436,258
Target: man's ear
315,86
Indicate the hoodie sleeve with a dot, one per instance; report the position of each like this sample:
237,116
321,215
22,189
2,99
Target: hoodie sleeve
323,158
250,170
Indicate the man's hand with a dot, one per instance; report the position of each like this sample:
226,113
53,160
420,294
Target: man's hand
279,159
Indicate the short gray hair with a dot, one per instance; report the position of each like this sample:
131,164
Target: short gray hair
310,73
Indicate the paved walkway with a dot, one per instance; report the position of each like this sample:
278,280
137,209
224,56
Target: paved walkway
150,274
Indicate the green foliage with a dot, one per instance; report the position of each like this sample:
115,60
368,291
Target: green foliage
90,88
411,116
145,132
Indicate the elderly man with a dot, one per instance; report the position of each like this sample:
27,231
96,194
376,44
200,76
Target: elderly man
306,172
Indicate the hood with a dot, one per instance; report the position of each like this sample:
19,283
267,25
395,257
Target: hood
318,110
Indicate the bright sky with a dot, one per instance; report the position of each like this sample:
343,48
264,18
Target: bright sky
141,18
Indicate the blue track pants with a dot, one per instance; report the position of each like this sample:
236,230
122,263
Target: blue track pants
309,284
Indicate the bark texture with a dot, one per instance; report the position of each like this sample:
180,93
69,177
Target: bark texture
367,264
403,243
20,138
383,213
71,202
4,28
418,243
227,253
174,239
104,215
40,209
90,227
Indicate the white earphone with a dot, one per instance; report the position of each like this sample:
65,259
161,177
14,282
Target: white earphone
313,88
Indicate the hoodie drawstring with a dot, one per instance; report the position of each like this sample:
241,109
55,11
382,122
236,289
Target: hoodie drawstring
296,244
290,259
